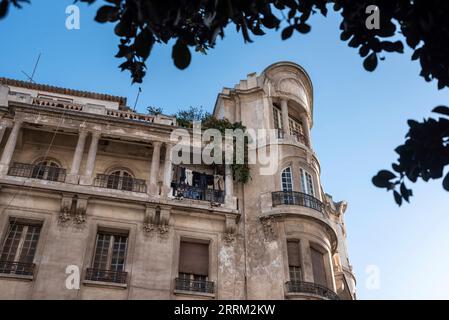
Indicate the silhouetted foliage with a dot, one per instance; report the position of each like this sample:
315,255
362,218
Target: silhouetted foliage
422,25
154,110
424,155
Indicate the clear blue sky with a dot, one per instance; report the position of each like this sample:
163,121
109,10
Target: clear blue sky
359,118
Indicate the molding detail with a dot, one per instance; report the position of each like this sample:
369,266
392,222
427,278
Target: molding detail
269,226
156,219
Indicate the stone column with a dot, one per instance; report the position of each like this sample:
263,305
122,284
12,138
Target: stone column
154,171
9,147
306,260
73,176
2,131
230,200
87,177
167,169
284,111
305,124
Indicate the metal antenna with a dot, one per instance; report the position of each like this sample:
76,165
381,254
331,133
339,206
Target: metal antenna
137,99
30,78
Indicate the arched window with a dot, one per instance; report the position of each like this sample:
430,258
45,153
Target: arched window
46,170
286,179
307,183
120,179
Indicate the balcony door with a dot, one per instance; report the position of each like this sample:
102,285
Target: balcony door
120,180
287,186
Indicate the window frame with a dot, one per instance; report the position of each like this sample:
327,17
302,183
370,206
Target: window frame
307,181
110,252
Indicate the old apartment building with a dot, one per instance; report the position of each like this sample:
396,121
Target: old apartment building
88,185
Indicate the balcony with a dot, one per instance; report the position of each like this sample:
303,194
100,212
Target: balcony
296,199
17,268
37,171
181,191
299,137
112,276
201,286
120,183
120,114
311,288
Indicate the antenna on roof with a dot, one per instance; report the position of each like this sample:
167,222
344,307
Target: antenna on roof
30,78
137,98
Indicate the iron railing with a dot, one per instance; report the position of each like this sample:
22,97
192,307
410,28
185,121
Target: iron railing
311,288
17,268
189,192
297,199
120,183
194,285
114,276
37,171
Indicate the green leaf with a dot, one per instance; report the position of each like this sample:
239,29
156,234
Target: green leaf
303,27
370,62
106,13
441,110
181,55
404,192
3,8
144,43
397,198
287,32
382,179
446,182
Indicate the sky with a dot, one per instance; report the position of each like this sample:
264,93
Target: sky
359,119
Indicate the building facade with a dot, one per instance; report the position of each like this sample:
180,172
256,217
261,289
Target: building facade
92,205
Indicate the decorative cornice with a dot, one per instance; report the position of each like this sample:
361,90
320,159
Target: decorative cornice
65,91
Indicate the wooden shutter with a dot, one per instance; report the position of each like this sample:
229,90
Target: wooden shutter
294,259
194,258
319,271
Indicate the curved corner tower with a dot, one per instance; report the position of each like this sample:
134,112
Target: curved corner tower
293,234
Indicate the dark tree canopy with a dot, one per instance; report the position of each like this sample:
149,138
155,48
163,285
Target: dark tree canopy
424,155
422,25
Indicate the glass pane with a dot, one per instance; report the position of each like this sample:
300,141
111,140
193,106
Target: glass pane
101,251
12,240
119,253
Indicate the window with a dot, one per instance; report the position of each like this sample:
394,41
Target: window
287,186
19,248
277,121
46,170
121,180
307,183
286,177
294,260
319,270
296,130
109,257
194,267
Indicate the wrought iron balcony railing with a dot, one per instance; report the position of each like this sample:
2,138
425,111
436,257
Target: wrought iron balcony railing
311,288
185,191
37,171
120,183
194,285
106,275
296,199
17,268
